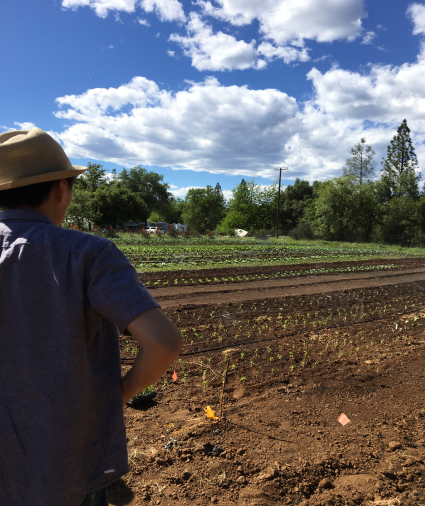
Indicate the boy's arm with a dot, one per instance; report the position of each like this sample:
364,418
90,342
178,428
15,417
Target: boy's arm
160,344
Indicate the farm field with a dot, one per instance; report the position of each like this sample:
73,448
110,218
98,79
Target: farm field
194,257
279,353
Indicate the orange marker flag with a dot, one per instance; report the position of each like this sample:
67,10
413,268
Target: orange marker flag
342,419
209,413
174,376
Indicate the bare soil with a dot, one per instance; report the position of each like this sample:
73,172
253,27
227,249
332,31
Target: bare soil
279,370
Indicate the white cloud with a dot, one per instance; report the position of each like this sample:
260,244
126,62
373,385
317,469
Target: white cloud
166,10
239,131
368,38
102,7
182,192
117,18
322,58
206,127
287,21
26,125
227,194
143,22
417,13
287,53
111,47
385,95
218,51
171,53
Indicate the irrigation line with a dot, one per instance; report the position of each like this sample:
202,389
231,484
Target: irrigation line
269,436
238,345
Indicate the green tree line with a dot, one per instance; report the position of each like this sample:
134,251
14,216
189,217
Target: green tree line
364,204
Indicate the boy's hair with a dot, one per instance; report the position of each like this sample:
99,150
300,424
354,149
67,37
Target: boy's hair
32,195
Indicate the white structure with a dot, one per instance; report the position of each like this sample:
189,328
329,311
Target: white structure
178,227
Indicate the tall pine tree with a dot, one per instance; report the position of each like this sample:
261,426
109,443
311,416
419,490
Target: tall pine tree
399,168
360,165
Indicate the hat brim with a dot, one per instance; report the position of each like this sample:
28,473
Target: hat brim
43,178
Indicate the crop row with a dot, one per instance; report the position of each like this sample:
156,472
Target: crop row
160,256
321,330
207,328
273,275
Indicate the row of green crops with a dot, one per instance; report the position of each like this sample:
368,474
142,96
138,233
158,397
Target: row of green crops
161,256
273,275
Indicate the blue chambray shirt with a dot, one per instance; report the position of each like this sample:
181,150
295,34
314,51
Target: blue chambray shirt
62,295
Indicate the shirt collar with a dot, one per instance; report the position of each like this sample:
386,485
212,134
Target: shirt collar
24,214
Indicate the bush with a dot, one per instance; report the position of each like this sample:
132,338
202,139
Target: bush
302,231
222,230
263,234
109,233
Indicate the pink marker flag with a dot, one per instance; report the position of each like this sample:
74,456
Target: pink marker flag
175,376
342,419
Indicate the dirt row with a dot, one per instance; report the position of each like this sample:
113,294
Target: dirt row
237,293
234,272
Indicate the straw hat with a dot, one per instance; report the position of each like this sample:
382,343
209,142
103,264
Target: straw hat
32,156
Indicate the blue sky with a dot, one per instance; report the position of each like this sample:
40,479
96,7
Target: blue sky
213,91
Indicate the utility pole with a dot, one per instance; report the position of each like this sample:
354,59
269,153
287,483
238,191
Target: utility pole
278,202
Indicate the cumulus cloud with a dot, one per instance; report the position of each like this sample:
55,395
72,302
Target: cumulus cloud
102,7
219,51
239,131
205,127
171,53
286,21
368,38
385,95
284,25
166,10
182,192
26,125
287,53
417,14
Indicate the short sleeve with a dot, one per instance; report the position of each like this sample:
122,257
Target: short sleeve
114,288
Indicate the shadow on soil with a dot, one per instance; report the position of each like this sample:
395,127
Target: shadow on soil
119,494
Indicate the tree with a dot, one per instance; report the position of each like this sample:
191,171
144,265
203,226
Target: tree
294,202
360,166
117,204
149,186
401,221
203,208
93,178
399,169
251,207
102,202
344,210
82,209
